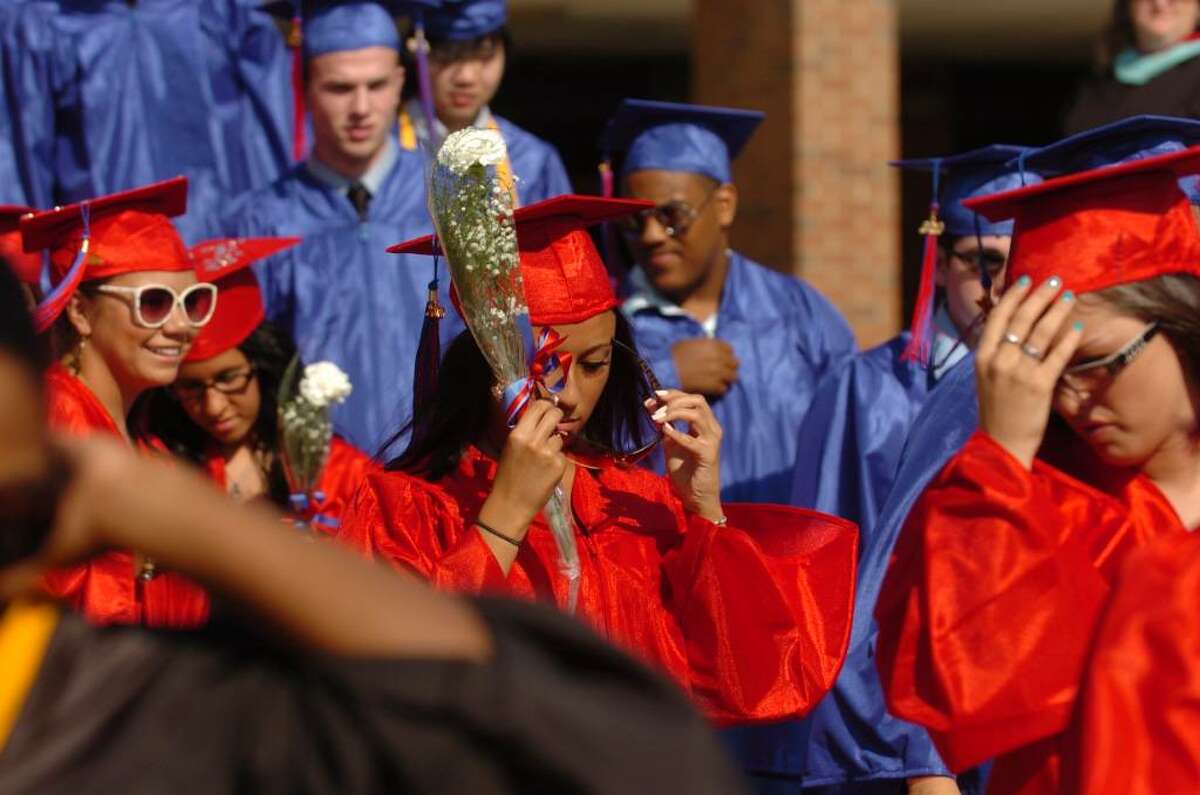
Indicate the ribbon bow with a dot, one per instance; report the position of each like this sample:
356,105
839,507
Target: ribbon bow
301,505
543,363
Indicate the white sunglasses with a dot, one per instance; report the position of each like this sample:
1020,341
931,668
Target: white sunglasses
154,303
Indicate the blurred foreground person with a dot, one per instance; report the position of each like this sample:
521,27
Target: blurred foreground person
1086,451
368,683
221,414
747,606
125,307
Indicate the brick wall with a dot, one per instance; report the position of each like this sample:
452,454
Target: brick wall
818,199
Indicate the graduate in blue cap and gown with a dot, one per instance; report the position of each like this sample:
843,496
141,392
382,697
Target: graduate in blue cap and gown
709,320
340,295
469,45
105,96
851,443
851,728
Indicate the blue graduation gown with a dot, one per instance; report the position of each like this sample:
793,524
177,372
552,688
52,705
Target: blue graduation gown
850,738
104,97
787,337
342,296
536,163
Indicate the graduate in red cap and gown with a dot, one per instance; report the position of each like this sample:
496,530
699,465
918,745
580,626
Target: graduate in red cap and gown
124,309
1086,452
221,413
747,607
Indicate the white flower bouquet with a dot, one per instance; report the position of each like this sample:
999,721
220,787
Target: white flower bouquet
473,212
305,430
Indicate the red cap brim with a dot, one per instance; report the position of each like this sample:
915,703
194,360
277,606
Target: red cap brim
46,229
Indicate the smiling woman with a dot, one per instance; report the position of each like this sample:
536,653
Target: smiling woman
130,309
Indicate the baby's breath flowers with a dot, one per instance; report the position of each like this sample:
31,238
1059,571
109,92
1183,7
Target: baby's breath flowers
473,212
305,429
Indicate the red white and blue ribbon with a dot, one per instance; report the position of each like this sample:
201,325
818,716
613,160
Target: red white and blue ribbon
301,505
543,363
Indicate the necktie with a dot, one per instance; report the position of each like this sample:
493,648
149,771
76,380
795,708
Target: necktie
360,197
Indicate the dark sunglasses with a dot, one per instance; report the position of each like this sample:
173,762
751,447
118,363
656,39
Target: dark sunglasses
676,217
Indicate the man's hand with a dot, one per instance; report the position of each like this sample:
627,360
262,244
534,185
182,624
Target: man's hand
706,366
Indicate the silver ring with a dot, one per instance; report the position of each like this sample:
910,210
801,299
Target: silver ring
1011,338
1031,351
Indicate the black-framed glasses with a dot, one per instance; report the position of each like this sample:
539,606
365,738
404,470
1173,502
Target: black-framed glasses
228,382
632,444
1085,379
676,217
154,303
979,261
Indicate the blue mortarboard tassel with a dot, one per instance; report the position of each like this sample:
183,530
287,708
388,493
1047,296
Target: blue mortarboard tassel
53,304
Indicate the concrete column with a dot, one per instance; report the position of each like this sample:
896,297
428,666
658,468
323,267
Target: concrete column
818,199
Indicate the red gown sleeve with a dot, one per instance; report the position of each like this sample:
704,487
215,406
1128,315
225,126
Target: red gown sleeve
414,527
1139,723
345,470
765,605
991,600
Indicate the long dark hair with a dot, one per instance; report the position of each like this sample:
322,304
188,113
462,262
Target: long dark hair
459,412
158,414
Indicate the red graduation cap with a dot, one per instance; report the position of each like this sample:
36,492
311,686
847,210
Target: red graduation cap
124,232
1107,226
226,263
26,266
564,275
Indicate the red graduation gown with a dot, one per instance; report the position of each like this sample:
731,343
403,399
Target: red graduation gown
1138,727
106,588
344,471
991,602
751,618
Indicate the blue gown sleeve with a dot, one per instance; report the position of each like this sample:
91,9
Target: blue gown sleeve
29,67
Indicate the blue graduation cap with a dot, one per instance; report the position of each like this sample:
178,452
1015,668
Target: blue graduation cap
463,20
1134,138
668,136
990,169
354,25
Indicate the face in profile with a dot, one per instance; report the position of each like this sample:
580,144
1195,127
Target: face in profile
465,78
678,256
221,396
138,357
1143,411
353,97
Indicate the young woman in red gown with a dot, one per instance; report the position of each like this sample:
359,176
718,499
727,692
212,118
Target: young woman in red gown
125,309
220,413
746,606
1087,451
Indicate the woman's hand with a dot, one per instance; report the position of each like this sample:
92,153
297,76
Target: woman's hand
1022,352
693,458
531,466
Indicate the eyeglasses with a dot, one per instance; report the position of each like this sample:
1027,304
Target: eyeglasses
639,440
1085,379
229,382
154,303
675,216
981,260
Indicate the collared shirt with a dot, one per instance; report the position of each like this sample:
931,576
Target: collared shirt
372,180
644,297
946,350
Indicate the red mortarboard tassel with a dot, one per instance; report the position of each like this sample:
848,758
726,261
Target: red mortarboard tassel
299,144
921,331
